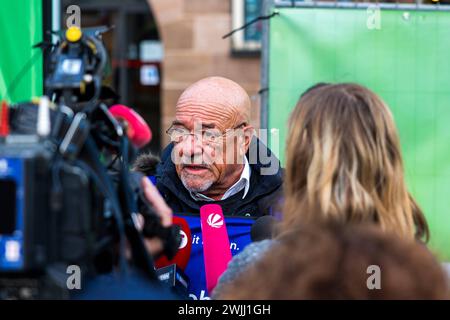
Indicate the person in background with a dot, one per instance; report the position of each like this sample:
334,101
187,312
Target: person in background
209,157
337,261
343,163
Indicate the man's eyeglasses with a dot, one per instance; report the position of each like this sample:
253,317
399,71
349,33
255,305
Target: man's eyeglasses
207,136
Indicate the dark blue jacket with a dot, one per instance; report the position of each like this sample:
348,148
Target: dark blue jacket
262,198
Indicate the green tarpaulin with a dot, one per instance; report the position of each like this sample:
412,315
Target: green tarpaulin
20,65
406,61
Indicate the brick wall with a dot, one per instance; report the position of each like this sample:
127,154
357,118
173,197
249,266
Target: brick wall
191,32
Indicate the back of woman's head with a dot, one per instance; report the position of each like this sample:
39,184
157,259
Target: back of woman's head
334,261
343,163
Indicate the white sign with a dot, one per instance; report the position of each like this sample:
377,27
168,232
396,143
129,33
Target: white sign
151,51
149,75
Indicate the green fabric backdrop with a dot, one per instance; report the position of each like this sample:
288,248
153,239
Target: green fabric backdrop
406,62
20,65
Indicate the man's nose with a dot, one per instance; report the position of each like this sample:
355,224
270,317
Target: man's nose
191,146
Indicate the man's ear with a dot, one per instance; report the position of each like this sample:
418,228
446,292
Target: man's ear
248,135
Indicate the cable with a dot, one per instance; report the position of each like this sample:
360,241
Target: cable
26,67
103,176
275,13
140,254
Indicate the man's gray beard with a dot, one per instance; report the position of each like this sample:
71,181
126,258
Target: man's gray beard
205,186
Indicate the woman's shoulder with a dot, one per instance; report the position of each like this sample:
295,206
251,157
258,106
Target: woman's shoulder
240,262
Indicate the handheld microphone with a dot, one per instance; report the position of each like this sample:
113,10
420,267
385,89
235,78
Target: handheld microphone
137,129
263,228
216,244
181,258
146,163
171,271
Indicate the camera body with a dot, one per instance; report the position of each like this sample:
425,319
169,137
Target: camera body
23,193
35,235
67,196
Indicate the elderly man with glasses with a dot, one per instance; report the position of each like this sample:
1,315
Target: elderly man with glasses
210,158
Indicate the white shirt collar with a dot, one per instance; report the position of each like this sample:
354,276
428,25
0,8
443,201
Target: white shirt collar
242,183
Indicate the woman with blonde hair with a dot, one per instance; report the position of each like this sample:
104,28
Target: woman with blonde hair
343,165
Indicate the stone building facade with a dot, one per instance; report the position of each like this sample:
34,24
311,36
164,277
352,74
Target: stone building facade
191,32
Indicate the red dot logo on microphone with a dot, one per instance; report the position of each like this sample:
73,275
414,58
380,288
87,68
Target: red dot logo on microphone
215,220
184,240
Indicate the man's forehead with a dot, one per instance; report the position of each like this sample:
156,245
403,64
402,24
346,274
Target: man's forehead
208,117
191,121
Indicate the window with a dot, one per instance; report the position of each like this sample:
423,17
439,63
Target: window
249,39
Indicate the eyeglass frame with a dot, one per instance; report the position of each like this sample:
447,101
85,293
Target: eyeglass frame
221,136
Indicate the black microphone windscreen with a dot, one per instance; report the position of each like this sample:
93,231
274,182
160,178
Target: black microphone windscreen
146,164
262,228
